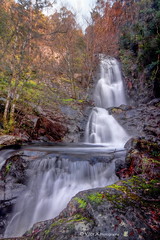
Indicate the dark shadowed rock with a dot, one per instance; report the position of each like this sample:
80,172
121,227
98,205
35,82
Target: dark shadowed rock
13,180
142,158
53,130
141,121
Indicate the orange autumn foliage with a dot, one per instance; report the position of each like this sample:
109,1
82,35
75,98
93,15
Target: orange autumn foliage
108,18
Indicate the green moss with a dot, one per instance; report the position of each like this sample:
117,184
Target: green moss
144,188
54,224
60,221
92,198
117,110
96,197
116,200
126,191
67,100
112,197
147,161
136,191
78,218
154,181
82,202
81,100
118,187
8,167
46,232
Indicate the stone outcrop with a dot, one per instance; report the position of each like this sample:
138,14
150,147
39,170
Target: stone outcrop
120,211
67,126
9,140
48,129
141,121
143,158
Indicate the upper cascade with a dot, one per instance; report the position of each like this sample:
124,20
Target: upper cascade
102,128
109,91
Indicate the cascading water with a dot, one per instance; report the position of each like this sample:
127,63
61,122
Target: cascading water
102,128
109,91
64,171
54,181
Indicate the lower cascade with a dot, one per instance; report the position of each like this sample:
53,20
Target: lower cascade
56,176
54,181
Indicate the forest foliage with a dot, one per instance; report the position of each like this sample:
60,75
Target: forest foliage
48,60
42,58
140,47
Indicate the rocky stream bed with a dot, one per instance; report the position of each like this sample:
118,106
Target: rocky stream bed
128,209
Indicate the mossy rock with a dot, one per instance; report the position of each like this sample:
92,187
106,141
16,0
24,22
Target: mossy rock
142,158
116,110
125,210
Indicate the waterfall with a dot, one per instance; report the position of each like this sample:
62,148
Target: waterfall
102,128
109,91
55,177
54,181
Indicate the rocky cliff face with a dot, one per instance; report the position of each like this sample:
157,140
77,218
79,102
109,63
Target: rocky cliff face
138,88
142,82
142,121
67,124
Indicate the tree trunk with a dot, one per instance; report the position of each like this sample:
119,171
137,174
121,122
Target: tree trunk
6,110
12,112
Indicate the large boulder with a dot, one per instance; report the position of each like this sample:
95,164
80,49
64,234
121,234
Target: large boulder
126,210
143,157
47,129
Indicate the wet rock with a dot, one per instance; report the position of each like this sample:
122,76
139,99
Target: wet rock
13,180
141,121
119,211
66,123
131,143
155,102
120,165
6,208
142,158
76,121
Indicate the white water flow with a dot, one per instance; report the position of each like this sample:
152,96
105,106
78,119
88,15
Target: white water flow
53,183
102,128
